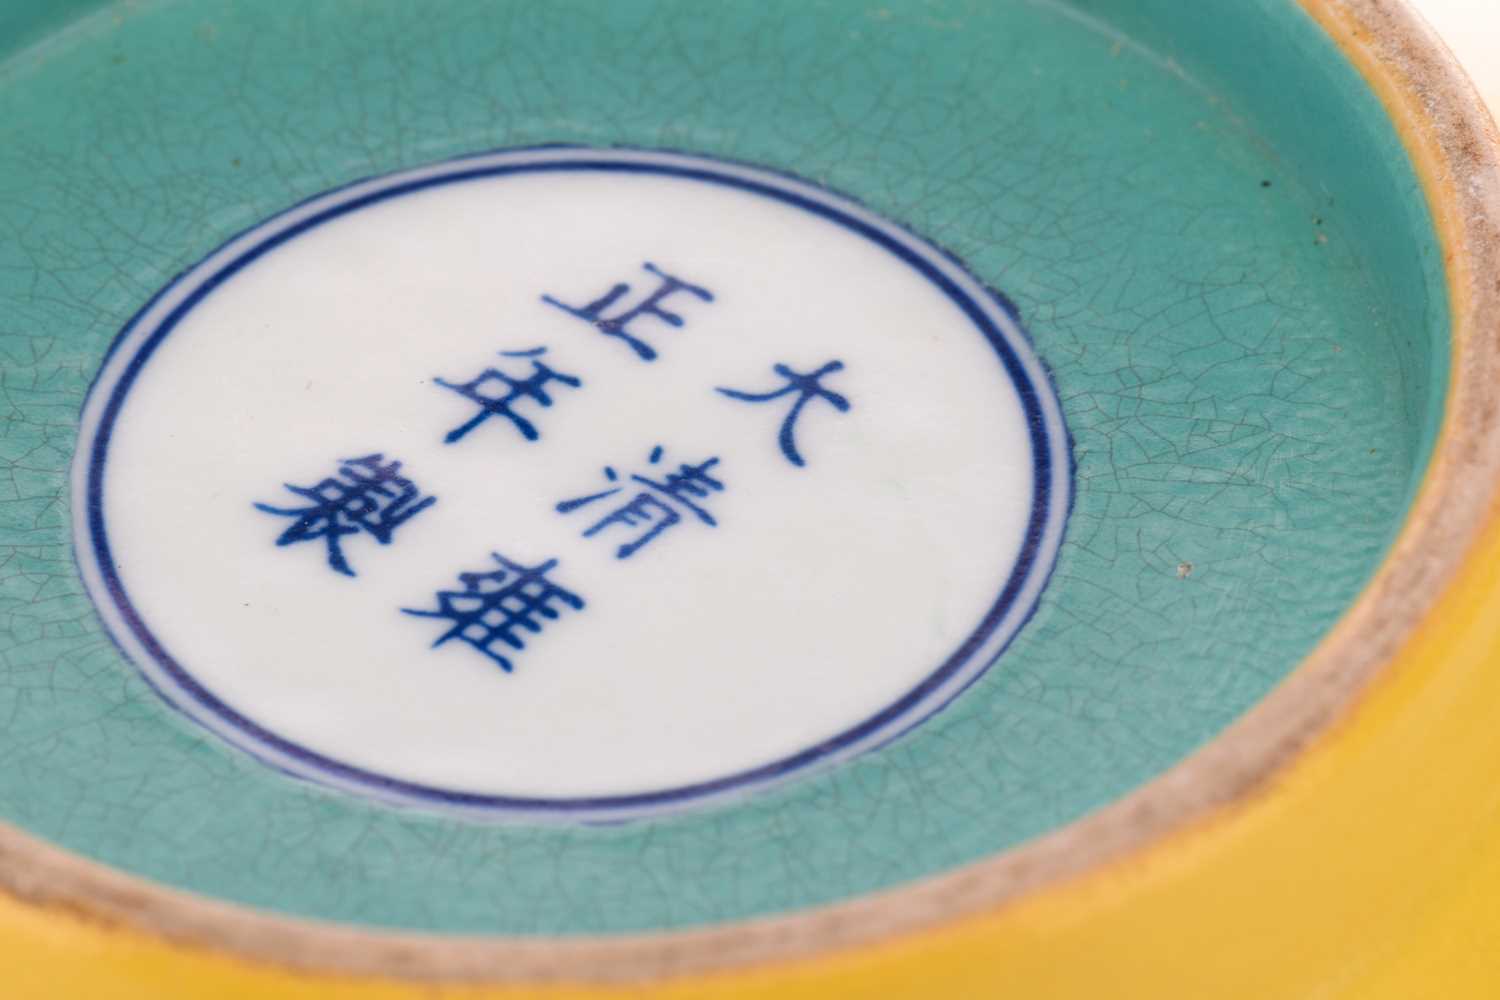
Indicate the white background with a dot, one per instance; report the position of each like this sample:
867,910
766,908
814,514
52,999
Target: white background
825,593
1472,30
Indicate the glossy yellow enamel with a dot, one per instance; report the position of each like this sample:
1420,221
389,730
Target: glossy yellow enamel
1368,868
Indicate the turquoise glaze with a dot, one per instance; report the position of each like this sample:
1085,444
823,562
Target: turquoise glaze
1204,217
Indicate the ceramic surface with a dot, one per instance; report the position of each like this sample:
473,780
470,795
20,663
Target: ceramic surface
1203,218
706,533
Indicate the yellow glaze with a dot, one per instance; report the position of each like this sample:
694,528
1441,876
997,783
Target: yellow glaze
1309,888
1368,868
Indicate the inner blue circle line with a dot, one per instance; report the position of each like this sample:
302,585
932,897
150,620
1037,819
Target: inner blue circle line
876,725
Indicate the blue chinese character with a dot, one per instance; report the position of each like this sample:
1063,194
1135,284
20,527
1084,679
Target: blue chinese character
369,495
807,386
497,393
618,325
493,607
656,508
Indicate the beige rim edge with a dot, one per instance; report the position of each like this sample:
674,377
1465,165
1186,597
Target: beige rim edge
1453,143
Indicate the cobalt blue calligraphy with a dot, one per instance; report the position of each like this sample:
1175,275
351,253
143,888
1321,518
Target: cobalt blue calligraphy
495,607
653,510
368,494
498,393
806,386
618,324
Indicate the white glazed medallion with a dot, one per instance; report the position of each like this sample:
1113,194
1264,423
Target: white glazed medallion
569,482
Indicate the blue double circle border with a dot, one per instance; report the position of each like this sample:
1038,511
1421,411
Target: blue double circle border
991,314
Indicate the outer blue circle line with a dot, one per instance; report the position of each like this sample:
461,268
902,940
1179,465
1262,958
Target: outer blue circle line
315,762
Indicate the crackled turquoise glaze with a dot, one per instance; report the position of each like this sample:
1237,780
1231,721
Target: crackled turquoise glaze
1206,221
